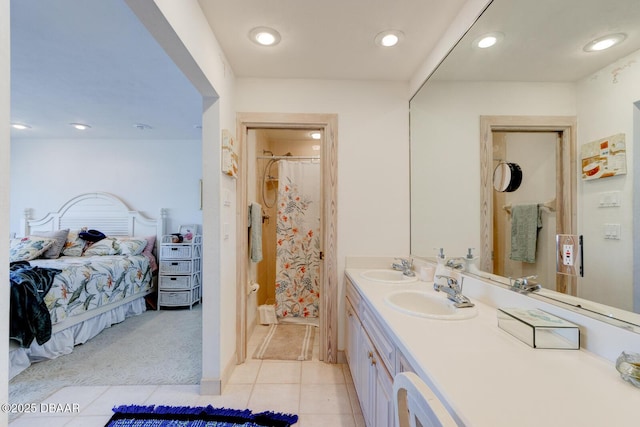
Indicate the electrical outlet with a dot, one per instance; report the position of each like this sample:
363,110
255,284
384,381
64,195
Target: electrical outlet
567,254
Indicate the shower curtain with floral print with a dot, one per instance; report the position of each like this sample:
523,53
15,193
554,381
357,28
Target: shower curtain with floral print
298,239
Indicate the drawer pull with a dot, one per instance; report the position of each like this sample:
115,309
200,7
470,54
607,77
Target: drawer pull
174,249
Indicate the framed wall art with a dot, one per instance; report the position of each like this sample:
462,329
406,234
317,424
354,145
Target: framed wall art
604,157
229,155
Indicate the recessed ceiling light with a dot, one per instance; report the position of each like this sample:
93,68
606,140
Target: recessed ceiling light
315,135
20,126
389,38
605,42
264,36
488,40
80,126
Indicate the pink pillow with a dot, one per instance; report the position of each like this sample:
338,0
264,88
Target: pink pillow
148,252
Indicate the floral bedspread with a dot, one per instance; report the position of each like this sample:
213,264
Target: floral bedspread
86,283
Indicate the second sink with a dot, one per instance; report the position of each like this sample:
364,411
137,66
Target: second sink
423,304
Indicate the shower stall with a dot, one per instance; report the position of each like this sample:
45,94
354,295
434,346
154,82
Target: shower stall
288,190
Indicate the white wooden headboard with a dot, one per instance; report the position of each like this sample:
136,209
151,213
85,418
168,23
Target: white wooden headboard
99,211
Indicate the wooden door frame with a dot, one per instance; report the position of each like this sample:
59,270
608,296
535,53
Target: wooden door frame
328,124
566,185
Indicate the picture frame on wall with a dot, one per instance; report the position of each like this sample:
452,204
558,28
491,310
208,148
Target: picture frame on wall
188,231
604,158
229,155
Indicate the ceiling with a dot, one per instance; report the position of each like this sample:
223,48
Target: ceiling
329,39
554,34
92,61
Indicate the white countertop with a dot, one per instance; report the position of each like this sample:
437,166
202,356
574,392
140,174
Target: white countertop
490,378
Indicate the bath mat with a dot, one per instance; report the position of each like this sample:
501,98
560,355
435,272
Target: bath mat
287,342
201,416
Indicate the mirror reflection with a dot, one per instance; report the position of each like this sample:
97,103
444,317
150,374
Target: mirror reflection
543,99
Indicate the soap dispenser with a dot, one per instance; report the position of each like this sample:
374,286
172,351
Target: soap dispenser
440,268
471,261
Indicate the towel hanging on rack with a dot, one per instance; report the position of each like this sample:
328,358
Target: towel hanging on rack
525,222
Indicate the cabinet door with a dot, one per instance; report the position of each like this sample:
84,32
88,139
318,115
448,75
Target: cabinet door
366,377
351,337
384,415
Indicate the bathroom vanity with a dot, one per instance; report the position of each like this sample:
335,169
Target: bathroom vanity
483,375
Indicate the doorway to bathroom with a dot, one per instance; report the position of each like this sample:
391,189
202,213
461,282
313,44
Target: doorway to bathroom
287,189
287,192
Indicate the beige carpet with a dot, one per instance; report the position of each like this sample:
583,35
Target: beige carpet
287,342
157,347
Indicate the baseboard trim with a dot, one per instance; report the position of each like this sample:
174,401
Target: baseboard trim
210,387
341,357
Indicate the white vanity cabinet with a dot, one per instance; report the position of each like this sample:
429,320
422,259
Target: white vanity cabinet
371,358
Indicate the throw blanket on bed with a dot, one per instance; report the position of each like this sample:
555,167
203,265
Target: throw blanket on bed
29,315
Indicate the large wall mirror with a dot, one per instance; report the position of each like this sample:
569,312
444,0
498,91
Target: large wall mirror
569,117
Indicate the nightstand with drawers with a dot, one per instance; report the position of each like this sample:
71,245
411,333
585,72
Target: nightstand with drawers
179,276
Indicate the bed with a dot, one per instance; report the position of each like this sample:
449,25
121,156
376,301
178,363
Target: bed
92,285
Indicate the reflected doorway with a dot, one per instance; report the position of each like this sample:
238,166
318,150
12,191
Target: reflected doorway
559,138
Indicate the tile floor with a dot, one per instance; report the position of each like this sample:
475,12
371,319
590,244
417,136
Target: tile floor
321,394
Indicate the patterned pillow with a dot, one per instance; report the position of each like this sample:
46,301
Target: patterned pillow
101,247
130,246
28,248
74,245
60,237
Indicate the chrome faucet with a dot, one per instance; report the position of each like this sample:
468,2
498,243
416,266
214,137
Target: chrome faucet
405,265
453,291
456,263
524,285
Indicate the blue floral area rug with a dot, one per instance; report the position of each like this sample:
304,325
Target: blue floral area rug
199,416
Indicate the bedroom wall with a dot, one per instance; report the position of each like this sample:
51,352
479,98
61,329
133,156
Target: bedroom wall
5,105
147,175
373,136
184,33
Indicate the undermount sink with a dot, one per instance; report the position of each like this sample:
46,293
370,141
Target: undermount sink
388,276
423,304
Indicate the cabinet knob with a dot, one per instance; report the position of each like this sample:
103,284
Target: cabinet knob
370,355
373,361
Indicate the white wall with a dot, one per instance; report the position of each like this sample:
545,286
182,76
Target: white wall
5,134
449,112
373,157
605,107
197,52
147,175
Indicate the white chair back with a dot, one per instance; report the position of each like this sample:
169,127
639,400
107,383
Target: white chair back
415,404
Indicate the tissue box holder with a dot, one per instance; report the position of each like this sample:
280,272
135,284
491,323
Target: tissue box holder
539,329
